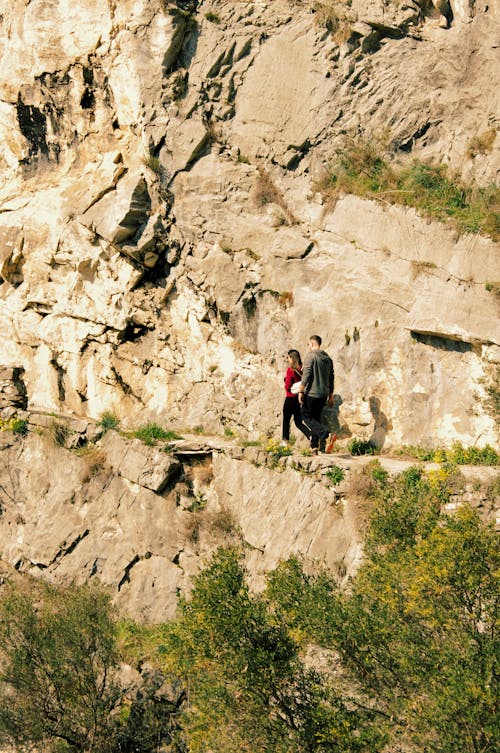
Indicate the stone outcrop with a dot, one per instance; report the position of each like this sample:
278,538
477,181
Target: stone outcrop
12,388
143,520
162,239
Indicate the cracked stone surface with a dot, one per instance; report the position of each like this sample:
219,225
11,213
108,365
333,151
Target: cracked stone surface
162,241
77,514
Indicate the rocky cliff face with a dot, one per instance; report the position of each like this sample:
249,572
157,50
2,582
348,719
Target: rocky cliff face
162,241
144,521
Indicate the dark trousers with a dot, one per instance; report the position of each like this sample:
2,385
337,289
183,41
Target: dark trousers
291,408
312,408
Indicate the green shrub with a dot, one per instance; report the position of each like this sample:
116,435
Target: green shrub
472,455
457,455
108,420
150,433
276,451
335,475
361,447
15,424
212,17
417,629
378,473
59,683
249,688
59,653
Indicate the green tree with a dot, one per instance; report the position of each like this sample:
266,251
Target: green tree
417,629
58,655
250,689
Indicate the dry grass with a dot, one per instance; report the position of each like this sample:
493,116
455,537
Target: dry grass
202,473
285,299
335,16
95,461
482,143
266,193
219,525
361,484
420,267
58,433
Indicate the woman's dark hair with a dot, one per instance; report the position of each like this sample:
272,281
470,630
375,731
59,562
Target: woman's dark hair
296,359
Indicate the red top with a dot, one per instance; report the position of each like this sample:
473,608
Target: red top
291,377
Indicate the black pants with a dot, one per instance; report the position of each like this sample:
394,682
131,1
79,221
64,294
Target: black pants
312,408
291,408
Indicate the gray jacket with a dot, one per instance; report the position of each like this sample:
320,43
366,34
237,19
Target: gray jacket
318,374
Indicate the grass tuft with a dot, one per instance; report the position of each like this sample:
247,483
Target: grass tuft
150,433
362,170
108,420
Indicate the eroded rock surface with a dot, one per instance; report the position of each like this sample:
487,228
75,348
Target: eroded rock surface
144,521
162,241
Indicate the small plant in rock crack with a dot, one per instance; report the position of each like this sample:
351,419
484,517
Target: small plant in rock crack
58,433
212,17
276,449
108,420
153,163
199,502
15,425
335,475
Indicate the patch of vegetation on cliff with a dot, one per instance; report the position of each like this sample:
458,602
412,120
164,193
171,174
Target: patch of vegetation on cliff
15,425
416,631
456,454
361,169
61,689
151,433
406,656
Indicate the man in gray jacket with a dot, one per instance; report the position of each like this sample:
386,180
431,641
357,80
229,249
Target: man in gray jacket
316,391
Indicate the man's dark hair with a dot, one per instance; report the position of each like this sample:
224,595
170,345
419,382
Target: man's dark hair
316,338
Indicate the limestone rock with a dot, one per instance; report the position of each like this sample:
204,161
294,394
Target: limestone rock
120,213
163,241
148,467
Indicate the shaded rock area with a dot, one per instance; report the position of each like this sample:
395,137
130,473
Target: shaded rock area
145,519
12,388
162,239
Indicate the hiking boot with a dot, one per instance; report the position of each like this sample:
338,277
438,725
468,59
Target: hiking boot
322,443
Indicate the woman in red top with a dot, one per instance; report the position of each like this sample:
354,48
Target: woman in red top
291,405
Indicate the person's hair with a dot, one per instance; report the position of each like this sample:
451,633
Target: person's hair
316,338
296,359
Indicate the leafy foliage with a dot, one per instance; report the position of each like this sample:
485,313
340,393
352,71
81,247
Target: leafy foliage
58,655
335,475
60,690
15,425
361,447
250,690
418,630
